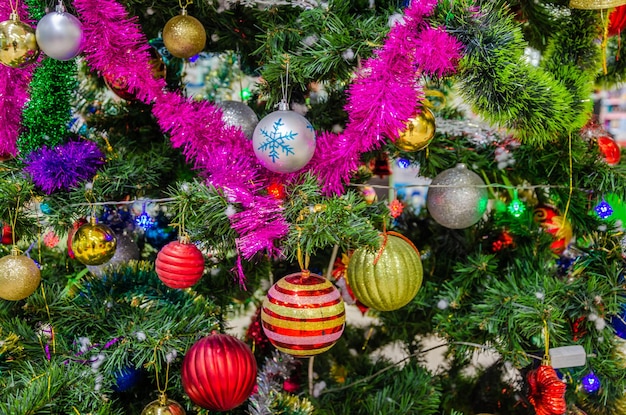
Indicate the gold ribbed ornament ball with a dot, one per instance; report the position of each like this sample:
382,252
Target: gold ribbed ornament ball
184,36
620,353
19,276
418,133
595,4
163,406
94,243
620,405
18,43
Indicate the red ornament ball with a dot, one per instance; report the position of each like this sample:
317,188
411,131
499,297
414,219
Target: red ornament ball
219,372
303,314
70,236
547,391
610,150
556,225
617,20
119,86
276,190
179,264
7,234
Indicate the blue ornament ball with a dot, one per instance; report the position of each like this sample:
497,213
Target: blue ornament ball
618,322
590,383
126,379
160,234
118,219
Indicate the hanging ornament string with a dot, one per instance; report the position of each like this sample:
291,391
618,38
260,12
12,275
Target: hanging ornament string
605,37
46,347
571,181
13,220
284,86
546,337
14,9
163,390
188,2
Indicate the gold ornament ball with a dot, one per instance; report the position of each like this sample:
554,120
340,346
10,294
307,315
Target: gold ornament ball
19,277
163,406
184,36
94,243
418,133
18,44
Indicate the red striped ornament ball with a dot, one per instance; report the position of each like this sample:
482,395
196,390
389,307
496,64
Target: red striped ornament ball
303,314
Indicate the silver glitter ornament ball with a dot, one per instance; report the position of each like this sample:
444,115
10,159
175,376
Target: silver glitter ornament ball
60,35
125,251
284,141
238,114
460,201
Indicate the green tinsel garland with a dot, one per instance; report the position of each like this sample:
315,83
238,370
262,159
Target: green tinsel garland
47,114
540,104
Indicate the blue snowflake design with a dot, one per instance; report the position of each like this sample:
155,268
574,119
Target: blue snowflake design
275,140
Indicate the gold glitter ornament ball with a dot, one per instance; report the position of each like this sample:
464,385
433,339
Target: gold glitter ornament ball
163,406
184,36
18,43
94,243
19,277
418,133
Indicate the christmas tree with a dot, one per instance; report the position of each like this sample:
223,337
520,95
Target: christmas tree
435,165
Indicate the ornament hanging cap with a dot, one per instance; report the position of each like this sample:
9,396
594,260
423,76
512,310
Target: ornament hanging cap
60,8
183,8
283,105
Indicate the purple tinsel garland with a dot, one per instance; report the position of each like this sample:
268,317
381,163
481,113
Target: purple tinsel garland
64,166
380,101
13,91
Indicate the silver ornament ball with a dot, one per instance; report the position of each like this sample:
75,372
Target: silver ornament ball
60,35
125,251
238,114
284,141
461,200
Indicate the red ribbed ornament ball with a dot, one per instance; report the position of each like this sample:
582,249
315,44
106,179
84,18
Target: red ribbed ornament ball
179,264
7,234
303,314
610,149
219,372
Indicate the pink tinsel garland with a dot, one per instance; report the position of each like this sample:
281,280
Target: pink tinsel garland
385,94
380,101
13,91
116,45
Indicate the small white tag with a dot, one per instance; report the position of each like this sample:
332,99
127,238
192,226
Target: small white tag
567,356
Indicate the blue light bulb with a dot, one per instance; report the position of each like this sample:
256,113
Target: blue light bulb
404,163
590,383
603,210
144,221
